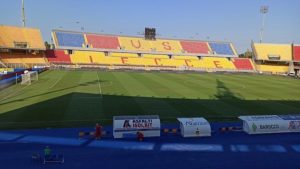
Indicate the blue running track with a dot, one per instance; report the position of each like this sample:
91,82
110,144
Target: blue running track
230,150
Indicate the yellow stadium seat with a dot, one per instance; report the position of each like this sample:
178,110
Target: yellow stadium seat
28,60
86,57
114,60
274,69
216,63
89,57
33,36
279,52
134,44
171,62
9,35
6,69
11,60
169,46
155,56
124,54
140,61
186,57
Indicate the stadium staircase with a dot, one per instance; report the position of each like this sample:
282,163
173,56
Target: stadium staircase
2,65
291,68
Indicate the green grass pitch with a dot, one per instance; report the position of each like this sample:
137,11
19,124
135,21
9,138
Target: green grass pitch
80,98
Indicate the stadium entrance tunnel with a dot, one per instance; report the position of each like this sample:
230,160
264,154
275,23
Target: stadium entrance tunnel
84,109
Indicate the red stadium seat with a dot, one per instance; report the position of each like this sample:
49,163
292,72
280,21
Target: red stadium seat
195,47
242,64
57,56
102,41
296,53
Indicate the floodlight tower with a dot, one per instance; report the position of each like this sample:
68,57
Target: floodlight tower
263,10
23,14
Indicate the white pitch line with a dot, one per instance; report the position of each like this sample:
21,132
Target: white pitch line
99,85
56,81
12,94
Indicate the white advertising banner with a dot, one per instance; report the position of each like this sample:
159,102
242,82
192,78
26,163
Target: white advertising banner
271,124
194,127
124,126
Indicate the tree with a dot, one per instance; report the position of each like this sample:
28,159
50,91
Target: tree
247,54
47,45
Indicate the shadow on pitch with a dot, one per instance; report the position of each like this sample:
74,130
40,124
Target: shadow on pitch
79,109
51,91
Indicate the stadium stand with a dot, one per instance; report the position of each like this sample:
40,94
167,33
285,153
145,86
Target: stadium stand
64,39
27,60
21,47
18,37
69,39
273,58
195,47
274,69
243,63
132,59
296,53
102,41
58,56
272,52
75,48
116,50
221,48
95,57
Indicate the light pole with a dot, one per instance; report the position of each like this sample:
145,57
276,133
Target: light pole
80,27
23,14
263,10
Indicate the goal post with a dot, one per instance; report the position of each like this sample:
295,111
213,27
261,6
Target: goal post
28,77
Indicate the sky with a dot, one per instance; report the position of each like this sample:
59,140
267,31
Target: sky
237,21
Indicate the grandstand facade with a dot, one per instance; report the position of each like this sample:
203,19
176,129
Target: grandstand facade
24,48
276,58
21,47
112,50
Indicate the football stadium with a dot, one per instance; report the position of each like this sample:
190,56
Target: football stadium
88,98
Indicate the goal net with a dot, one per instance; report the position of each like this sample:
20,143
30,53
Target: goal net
28,77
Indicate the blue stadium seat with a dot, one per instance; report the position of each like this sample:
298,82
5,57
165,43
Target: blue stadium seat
221,48
70,39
